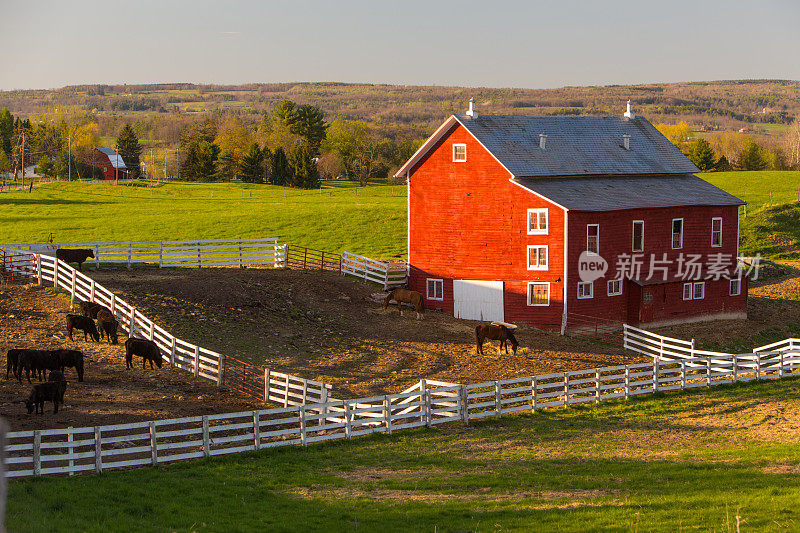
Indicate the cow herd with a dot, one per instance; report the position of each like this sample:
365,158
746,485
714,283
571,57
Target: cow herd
94,321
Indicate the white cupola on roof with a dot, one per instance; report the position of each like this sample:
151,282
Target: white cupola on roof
471,111
629,113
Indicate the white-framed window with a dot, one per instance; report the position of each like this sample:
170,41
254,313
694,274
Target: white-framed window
435,289
699,290
687,291
585,290
538,222
614,287
735,287
593,238
537,257
677,233
716,232
459,153
638,236
538,293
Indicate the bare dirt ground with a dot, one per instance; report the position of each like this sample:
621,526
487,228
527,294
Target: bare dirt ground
31,317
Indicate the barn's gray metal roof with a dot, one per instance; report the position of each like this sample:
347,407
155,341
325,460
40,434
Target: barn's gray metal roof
613,193
577,146
114,157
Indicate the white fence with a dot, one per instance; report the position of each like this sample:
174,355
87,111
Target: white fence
202,362
217,252
101,448
389,274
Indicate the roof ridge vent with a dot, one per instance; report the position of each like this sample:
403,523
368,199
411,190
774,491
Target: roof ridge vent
629,113
471,111
626,141
542,140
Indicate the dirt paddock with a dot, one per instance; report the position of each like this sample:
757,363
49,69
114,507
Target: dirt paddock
318,326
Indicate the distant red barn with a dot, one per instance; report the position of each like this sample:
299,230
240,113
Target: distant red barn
507,216
110,164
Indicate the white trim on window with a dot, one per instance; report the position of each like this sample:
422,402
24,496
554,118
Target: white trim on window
540,261
585,290
699,295
593,246
678,235
614,287
438,287
541,220
640,223
737,283
531,284
687,291
716,233
458,156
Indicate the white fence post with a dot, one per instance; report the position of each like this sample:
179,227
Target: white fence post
91,291
387,414
780,369
266,385
708,371
39,269
96,257
347,420
256,431
113,304
683,375
206,437
627,381
655,374
55,273
597,385
161,254
428,415
498,405
302,413
240,253
132,322
735,369
153,443
72,288
98,450
196,365
220,369
37,453
129,255
566,389
70,449
533,394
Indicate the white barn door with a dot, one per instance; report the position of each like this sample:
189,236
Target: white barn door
478,300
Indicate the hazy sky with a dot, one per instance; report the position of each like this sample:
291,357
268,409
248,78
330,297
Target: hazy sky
495,43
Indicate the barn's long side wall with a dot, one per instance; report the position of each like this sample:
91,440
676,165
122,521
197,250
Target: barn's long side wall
467,221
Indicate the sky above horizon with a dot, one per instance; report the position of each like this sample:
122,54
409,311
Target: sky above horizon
502,43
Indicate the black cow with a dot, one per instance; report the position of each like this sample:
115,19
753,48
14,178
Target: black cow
12,361
77,255
83,323
38,361
58,377
106,323
70,358
51,391
147,350
90,309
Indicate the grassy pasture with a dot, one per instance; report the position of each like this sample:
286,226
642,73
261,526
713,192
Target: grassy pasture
367,220
712,460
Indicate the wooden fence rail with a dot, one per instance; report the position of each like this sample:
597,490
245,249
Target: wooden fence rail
387,273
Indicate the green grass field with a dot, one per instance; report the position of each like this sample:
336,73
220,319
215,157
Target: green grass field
754,187
367,220
711,460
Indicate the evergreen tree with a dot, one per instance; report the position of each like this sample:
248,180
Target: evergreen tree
310,125
128,147
6,131
304,168
226,167
266,165
723,165
252,165
207,155
751,157
280,173
702,155
189,163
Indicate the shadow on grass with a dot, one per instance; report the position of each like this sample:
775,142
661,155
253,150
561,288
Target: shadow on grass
46,201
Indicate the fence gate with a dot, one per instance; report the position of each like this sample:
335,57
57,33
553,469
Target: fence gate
478,300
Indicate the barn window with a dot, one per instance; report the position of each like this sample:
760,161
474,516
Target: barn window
593,238
538,294
687,291
435,289
648,297
699,290
537,222
716,232
615,287
585,290
459,153
677,233
638,236
736,287
537,257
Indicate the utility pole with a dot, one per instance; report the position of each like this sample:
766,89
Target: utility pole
116,168
177,165
152,164
69,158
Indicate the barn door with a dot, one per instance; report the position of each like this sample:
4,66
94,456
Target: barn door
478,300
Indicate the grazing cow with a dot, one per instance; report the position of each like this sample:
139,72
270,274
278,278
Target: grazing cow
77,255
12,361
51,391
70,358
38,361
83,323
106,323
90,309
58,377
147,350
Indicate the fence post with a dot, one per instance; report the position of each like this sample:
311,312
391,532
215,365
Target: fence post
780,369
655,373
39,269
347,419
286,392
305,256
55,274
497,403
324,411
708,371
387,414
322,262
266,385
153,443
172,351
130,245
91,291
305,390
151,334
386,277
735,369
98,450
256,431
240,253
132,322
463,396
113,304
206,437
596,385
37,453
161,254
758,366
533,394
219,369
683,375
196,362
72,288
691,350
302,413
627,381
428,415
566,389
70,449
96,257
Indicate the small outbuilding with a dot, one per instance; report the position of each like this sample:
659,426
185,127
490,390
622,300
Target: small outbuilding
110,163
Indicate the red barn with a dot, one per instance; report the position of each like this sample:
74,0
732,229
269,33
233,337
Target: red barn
110,164
512,218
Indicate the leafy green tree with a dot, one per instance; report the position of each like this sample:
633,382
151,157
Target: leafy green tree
285,112
702,155
280,172
751,157
252,166
304,168
128,147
